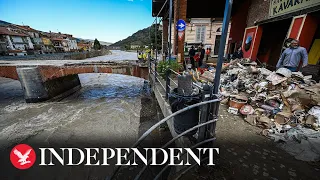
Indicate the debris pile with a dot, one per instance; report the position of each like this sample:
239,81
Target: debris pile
283,103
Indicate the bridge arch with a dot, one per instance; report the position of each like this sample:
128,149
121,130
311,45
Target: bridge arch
43,82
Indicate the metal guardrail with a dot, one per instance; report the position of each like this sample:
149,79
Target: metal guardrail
168,78
148,132
210,104
202,126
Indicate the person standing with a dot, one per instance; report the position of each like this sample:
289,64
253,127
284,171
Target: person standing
192,53
291,57
238,54
202,53
207,54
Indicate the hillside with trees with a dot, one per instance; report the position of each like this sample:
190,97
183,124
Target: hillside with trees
141,38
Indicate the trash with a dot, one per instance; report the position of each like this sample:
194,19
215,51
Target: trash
264,122
246,110
237,102
310,120
275,78
233,110
252,119
315,111
283,117
286,104
208,76
265,71
284,72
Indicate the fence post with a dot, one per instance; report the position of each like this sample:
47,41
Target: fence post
204,113
225,27
167,83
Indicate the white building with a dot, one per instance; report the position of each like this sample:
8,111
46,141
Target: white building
206,31
16,42
72,44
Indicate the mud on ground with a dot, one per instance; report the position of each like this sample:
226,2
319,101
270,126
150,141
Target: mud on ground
245,154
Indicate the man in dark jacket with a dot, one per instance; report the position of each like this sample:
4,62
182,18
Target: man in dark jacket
238,54
202,54
192,52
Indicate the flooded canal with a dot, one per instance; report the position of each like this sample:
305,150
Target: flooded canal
106,109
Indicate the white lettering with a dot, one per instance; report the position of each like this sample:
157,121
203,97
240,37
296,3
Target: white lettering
119,157
154,156
105,155
172,156
211,155
143,159
89,156
52,151
70,150
190,152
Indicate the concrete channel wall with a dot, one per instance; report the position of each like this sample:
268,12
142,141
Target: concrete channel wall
59,56
181,142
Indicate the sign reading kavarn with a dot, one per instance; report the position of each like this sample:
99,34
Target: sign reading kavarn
23,156
281,7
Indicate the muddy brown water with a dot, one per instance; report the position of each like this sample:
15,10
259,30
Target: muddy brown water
105,112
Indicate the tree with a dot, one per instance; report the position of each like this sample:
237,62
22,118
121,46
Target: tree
153,35
96,44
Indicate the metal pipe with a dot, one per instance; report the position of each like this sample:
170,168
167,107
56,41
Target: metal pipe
173,82
170,27
145,134
161,84
197,85
170,116
171,141
156,39
225,26
162,8
167,83
174,72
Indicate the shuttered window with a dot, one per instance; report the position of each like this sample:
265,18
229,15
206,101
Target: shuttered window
200,33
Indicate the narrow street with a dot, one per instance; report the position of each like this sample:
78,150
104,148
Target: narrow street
246,154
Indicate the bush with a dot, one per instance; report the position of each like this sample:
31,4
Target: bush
163,66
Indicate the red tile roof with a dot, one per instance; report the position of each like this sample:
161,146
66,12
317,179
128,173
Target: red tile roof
56,39
5,31
27,28
14,51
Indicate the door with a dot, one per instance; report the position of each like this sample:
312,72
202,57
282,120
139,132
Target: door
216,45
314,54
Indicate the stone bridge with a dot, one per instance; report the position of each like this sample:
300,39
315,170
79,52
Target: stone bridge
44,80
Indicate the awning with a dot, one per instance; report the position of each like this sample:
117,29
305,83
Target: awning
198,8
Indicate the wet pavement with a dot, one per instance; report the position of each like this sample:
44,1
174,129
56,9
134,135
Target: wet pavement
246,154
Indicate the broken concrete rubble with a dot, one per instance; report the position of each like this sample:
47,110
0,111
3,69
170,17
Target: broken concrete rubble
284,103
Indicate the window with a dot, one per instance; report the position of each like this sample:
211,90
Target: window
200,33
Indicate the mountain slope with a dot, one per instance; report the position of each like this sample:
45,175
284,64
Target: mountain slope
140,38
101,42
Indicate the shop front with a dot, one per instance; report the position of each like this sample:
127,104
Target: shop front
299,20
